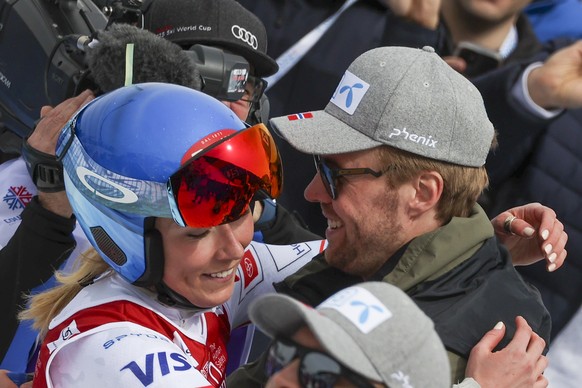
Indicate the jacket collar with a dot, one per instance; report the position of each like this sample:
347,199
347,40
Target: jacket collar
432,254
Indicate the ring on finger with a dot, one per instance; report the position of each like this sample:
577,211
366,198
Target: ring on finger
507,224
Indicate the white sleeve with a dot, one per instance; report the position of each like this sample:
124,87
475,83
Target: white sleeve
123,354
17,190
263,265
521,93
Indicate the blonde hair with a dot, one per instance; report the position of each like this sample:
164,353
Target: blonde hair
462,185
45,306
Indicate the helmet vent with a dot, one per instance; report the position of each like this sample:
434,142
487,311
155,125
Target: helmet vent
108,246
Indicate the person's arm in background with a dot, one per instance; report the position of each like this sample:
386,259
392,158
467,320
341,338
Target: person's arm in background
413,23
43,240
555,83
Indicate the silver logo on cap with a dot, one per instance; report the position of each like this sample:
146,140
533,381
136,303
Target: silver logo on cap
246,36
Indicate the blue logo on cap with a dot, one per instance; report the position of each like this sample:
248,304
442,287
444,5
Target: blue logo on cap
349,93
366,311
359,306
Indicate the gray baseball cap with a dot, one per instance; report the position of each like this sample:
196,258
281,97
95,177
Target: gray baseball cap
373,328
403,97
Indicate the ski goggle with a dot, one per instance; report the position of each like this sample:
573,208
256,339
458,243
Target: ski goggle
217,185
316,369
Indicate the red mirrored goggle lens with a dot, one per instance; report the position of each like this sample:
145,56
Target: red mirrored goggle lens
217,185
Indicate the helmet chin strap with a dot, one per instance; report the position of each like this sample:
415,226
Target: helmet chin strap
171,298
154,271
153,255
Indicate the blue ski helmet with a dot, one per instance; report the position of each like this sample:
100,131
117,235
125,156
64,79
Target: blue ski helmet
160,150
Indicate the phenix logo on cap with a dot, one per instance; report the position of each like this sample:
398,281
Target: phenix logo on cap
420,139
349,93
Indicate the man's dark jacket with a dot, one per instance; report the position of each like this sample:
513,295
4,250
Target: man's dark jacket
458,275
542,163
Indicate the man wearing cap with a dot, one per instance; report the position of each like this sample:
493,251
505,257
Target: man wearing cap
361,336
400,150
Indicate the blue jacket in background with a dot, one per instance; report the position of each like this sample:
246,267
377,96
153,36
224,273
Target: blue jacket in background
556,18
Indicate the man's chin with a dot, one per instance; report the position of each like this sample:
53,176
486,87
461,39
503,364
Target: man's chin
335,260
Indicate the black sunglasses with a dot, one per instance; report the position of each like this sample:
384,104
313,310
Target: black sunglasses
316,369
330,175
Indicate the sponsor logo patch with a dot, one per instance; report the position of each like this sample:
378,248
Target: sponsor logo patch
249,270
155,364
66,334
360,307
349,93
244,35
17,197
413,137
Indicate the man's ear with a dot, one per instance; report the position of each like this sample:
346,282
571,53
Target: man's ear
428,186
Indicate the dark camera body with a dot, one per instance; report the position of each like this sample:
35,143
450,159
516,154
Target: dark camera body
42,63
479,60
35,70
223,74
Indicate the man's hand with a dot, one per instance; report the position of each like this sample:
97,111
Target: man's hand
6,382
422,12
558,82
45,135
44,138
519,364
457,63
535,234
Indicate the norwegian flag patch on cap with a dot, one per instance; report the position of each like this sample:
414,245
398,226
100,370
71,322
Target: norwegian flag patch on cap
300,116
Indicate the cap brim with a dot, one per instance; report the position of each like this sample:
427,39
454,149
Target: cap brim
262,64
281,316
320,133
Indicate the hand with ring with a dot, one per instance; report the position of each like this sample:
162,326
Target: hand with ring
507,224
532,232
